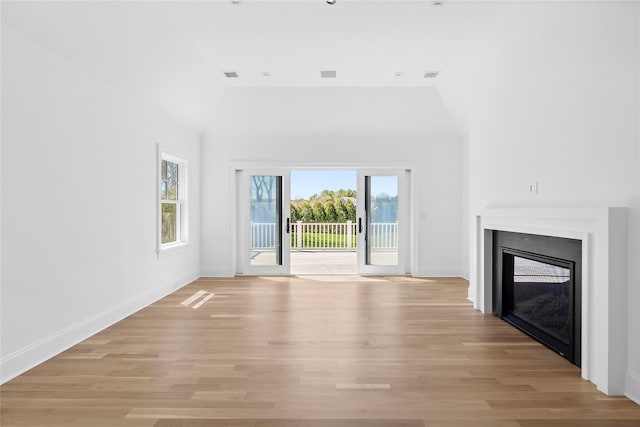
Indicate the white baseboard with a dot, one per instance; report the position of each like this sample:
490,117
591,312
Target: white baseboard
34,354
216,272
632,389
471,295
438,272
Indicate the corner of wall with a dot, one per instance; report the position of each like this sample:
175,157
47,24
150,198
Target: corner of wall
632,382
38,352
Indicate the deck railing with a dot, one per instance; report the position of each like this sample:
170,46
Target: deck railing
325,236
263,235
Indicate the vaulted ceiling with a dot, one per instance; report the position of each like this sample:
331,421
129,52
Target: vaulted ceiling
174,54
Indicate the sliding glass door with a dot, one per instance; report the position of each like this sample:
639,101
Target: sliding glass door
382,221
265,223
265,228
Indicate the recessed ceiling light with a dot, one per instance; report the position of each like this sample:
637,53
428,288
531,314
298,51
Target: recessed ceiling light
328,74
235,1
231,74
398,73
265,74
431,74
438,3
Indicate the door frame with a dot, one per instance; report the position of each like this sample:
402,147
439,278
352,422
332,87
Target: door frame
243,211
235,166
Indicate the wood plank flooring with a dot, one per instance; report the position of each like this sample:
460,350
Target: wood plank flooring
311,352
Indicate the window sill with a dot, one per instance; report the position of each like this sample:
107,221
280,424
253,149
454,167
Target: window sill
175,248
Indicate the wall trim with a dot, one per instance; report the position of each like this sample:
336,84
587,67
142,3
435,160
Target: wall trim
632,389
216,272
471,295
438,272
36,353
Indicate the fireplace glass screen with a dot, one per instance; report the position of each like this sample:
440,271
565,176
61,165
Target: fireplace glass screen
542,296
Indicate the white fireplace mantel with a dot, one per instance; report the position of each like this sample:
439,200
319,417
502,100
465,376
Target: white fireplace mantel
604,277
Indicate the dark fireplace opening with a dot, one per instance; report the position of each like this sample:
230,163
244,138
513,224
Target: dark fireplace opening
537,288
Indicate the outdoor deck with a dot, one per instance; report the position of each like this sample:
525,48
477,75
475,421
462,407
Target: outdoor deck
323,262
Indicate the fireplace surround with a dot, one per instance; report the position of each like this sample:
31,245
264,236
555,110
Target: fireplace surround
603,236
537,288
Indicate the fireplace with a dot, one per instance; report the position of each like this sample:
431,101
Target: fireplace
537,288
603,280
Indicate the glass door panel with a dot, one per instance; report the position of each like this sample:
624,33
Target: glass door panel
382,220
383,224
264,221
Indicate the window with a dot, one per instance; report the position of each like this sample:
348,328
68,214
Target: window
172,223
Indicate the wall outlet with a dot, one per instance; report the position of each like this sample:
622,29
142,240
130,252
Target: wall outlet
533,188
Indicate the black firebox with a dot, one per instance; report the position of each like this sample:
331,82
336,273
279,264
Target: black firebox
537,288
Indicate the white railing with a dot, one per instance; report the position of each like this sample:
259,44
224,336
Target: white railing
384,235
263,235
325,236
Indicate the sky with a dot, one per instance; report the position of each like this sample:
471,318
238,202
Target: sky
306,183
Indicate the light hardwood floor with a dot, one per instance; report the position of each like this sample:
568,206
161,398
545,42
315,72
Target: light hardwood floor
311,352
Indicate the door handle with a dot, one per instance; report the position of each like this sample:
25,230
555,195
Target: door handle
359,225
288,224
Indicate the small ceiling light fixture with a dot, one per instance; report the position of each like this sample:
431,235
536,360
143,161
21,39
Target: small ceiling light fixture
398,73
331,1
431,74
235,1
231,74
438,3
328,74
265,74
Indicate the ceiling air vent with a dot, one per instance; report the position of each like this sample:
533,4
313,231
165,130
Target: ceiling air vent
431,74
328,74
231,74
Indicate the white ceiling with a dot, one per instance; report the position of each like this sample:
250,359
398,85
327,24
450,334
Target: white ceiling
173,54
365,42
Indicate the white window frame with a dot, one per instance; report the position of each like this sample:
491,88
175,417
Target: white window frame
182,232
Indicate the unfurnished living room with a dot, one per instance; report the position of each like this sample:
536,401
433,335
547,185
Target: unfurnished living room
161,267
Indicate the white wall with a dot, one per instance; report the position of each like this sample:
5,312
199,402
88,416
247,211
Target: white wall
78,205
337,127
556,102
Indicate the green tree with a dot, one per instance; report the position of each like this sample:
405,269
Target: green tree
318,212
351,210
341,211
330,214
295,213
327,194
328,206
306,212
346,193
